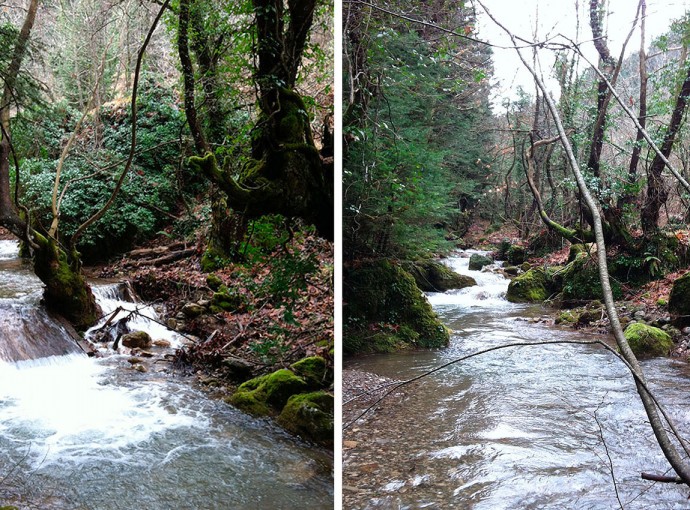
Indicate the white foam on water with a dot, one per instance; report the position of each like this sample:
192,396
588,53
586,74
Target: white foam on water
146,318
9,249
68,411
489,292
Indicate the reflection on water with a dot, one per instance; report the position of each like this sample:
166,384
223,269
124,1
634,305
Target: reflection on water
514,428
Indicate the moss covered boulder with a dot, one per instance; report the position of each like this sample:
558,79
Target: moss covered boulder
516,255
679,301
433,276
384,310
532,287
314,370
227,299
579,281
310,415
261,395
477,262
647,340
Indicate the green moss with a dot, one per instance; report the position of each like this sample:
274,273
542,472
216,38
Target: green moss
249,402
310,415
567,317
647,340
531,287
261,394
384,310
580,281
281,385
227,299
314,370
213,281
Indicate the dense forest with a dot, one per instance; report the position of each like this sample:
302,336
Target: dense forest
581,191
185,146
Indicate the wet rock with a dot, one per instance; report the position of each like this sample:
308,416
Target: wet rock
238,369
679,301
171,323
162,343
432,276
639,315
192,310
590,315
511,270
647,340
531,287
134,360
310,415
686,330
136,339
477,262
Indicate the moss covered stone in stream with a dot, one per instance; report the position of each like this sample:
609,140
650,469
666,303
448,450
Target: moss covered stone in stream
532,287
433,276
647,340
310,415
261,394
385,310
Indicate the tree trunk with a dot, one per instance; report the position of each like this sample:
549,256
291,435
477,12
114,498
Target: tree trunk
657,192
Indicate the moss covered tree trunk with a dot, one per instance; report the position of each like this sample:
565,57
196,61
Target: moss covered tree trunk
66,290
286,174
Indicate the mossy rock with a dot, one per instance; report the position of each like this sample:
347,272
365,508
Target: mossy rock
433,276
214,282
381,298
647,340
567,317
516,255
477,262
281,385
579,281
590,315
679,301
532,287
314,370
249,402
227,300
511,270
310,415
267,392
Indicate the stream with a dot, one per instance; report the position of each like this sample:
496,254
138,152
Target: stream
517,428
92,433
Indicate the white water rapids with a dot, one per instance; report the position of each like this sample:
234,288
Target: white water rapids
85,433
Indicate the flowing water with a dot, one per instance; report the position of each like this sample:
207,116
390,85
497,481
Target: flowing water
518,428
86,433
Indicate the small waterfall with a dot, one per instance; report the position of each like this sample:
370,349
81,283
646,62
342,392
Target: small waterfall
142,317
489,292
